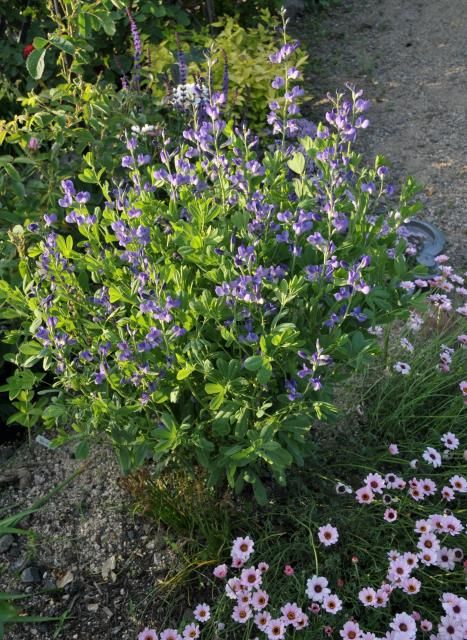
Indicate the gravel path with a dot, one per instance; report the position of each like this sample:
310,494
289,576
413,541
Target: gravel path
410,57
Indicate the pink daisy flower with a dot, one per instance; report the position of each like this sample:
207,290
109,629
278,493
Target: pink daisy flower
381,598
241,613
147,634
242,548
251,578
317,588
402,367
447,494
191,631
415,490
404,626
398,569
411,586
202,612
302,622
449,439
428,487
332,604
237,562
328,535
291,612
170,634
393,449
259,600
426,626
390,515
263,567
446,559
262,620
364,495
276,629
220,571
454,605
452,525
328,631
428,541
367,597
458,483
314,608
410,559
442,258
436,522
428,557
451,628
391,480
350,631
232,587
244,597
288,570
375,482
432,456
422,526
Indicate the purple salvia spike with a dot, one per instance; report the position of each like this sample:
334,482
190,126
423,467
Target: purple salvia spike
225,83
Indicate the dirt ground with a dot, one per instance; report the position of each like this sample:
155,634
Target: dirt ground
92,557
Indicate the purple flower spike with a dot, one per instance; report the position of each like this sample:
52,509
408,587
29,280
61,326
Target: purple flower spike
50,219
83,197
66,201
68,187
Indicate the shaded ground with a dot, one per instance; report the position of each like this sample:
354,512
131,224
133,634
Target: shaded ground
410,59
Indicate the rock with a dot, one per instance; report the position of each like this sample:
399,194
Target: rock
19,563
6,542
25,478
92,607
64,580
31,575
107,570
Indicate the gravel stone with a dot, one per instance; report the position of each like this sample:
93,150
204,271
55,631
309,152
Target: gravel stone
6,542
31,575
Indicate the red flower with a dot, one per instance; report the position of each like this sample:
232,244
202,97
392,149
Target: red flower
28,49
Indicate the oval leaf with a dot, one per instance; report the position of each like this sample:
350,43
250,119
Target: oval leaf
35,63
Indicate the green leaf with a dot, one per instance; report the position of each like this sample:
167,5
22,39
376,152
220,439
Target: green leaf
253,363
264,374
212,389
260,492
40,43
63,44
297,163
107,23
82,450
31,348
35,63
115,294
185,372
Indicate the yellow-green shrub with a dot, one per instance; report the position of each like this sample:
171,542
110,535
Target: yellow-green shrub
247,51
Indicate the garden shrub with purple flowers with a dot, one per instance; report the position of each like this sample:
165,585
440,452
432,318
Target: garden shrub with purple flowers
204,315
